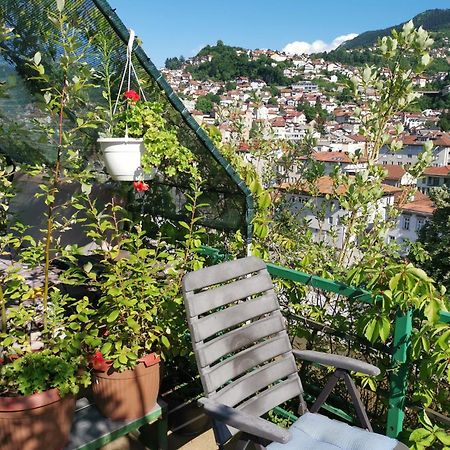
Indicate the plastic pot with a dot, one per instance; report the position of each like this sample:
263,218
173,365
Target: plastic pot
127,395
36,422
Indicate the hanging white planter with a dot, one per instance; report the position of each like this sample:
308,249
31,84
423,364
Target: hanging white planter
122,158
122,155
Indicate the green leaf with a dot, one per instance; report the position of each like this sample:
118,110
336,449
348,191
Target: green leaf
106,348
60,5
264,200
443,437
86,188
422,436
165,341
371,332
432,310
113,316
384,328
37,58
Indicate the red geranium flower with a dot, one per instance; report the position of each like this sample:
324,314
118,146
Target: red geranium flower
132,95
140,186
99,363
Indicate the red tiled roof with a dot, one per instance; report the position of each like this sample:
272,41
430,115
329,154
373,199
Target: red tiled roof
325,185
437,171
420,205
341,157
394,172
278,122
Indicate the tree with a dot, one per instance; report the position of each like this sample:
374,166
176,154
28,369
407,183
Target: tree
174,63
434,237
444,121
205,103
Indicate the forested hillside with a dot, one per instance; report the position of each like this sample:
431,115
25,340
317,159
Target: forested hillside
435,20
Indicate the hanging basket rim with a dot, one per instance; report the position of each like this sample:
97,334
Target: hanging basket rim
120,139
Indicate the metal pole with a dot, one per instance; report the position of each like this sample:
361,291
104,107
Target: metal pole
398,380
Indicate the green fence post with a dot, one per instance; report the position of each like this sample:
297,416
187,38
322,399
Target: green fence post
398,380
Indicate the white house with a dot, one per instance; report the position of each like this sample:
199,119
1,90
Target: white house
413,216
304,205
413,146
434,177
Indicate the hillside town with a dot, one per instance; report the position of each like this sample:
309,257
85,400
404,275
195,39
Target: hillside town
283,113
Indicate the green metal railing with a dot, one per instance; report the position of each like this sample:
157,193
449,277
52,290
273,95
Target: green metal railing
398,379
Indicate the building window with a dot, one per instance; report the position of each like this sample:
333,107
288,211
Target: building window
433,181
419,223
409,156
406,221
330,220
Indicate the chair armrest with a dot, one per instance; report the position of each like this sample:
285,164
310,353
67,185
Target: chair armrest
338,361
245,422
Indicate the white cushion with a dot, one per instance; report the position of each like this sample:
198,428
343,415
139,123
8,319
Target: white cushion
317,432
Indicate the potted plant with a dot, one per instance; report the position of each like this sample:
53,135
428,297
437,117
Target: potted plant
41,365
124,339
142,141
137,139
122,155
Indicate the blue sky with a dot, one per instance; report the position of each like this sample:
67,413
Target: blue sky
182,27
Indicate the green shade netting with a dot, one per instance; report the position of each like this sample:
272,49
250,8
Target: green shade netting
230,202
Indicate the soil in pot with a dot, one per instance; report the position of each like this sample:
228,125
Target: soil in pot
126,395
36,422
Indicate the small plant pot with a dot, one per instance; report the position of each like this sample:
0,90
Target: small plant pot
123,158
36,422
127,395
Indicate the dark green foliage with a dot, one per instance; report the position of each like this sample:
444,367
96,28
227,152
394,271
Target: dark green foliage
38,372
432,102
205,103
174,63
435,238
431,20
228,63
358,57
312,112
444,121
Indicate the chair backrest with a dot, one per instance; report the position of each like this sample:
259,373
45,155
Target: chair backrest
242,349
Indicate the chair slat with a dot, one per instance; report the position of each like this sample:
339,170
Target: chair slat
274,396
222,273
216,297
208,326
240,337
243,361
251,383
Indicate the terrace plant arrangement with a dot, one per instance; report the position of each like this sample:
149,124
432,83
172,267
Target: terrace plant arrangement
137,281
41,364
138,140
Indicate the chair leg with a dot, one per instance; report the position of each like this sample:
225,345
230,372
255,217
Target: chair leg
356,400
326,391
241,444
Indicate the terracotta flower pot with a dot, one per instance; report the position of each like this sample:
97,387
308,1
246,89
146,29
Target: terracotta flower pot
36,422
127,395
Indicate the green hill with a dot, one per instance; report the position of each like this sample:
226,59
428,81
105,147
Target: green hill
434,20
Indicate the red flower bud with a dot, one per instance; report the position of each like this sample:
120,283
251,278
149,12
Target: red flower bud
132,95
140,186
97,362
